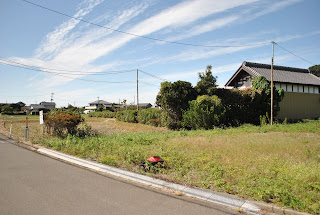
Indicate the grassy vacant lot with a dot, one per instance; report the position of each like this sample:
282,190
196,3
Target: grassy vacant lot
278,164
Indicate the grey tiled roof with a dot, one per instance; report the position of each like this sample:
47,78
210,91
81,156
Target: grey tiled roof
100,102
281,73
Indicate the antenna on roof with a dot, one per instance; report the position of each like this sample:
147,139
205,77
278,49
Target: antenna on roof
52,97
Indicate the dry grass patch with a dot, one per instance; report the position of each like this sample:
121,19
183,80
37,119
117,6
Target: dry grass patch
111,126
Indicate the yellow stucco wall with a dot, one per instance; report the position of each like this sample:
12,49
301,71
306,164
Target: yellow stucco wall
299,106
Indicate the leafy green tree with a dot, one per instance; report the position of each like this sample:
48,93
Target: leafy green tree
207,82
204,112
261,83
315,70
7,109
174,99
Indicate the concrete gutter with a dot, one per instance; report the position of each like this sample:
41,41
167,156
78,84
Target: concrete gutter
236,203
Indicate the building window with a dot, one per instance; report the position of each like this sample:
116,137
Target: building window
289,87
248,83
311,89
300,88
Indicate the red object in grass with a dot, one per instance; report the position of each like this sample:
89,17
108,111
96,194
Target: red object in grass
155,159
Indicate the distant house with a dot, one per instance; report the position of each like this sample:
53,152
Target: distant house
145,105
101,103
301,88
34,109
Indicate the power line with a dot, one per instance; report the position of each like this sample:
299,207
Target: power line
63,75
71,72
141,36
159,78
146,83
294,54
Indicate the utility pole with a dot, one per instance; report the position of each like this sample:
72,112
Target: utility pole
271,114
137,89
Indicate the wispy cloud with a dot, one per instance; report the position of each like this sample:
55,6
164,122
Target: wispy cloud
270,8
203,28
56,38
204,53
239,17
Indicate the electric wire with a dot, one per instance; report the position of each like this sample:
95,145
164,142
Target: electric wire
141,36
43,69
147,83
159,78
63,75
73,72
294,54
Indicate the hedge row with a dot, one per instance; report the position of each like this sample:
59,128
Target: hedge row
150,116
227,108
103,114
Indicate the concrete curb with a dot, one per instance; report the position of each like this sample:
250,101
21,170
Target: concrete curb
278,210
238,204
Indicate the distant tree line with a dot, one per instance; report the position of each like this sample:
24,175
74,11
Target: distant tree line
14,108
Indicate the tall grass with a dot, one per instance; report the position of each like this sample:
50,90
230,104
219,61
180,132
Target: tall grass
278,164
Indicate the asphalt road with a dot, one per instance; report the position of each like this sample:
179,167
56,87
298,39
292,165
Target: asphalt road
31,183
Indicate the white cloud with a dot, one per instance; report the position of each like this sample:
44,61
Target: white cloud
207,27
272,8
56,38
185,13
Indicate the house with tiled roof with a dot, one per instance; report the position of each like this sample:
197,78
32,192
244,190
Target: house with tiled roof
102,103
301,88
34,109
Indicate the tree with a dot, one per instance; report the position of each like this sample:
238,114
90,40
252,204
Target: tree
174,98
7,109
261,83
204,112
315,70
207,82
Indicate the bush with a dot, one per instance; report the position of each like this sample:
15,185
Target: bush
127,116
86,131
243,106
62,123
103,114
149,116
204,112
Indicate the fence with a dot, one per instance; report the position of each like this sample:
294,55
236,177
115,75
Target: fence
21,127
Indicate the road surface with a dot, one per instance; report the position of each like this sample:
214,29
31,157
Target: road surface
31,183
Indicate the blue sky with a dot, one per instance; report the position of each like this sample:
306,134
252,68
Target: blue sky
78,61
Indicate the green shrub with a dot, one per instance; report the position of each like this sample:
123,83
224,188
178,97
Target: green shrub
103,114
86,131
243,106
62,123
204,112
127,116
149,116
